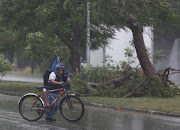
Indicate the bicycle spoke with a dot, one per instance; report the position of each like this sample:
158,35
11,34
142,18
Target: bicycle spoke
72,108
31,108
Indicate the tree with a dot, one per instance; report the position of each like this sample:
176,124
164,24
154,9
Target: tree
13,42
5,65
135,14
41,48
65,18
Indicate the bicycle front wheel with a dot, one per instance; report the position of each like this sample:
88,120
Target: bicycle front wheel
71,108
31,107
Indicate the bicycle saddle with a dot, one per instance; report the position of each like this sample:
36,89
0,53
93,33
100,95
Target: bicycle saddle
40,87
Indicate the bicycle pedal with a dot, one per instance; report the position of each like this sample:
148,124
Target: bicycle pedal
46,107
47,111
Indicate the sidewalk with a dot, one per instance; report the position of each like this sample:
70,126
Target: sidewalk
31,79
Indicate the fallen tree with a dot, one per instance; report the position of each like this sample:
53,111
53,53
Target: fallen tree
160,85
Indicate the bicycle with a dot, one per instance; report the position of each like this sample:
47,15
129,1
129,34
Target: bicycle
32,106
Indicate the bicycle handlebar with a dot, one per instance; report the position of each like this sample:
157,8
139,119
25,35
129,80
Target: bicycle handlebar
65,84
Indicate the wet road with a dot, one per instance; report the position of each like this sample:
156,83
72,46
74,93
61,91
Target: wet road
9,77
94,119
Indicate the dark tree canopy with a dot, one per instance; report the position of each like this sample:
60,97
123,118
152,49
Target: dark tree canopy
67,19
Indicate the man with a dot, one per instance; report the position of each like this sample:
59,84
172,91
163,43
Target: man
56,79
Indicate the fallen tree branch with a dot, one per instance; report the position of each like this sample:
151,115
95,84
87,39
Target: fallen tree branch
89,84
165,75
129,94
107,87
118,80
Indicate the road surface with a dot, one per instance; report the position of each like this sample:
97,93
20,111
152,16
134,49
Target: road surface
94,119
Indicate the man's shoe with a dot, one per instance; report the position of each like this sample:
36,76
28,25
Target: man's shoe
50,119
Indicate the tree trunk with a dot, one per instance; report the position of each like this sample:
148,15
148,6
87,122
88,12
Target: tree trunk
75,56
32,67
74,59
73,45
140,47
15,58
141,51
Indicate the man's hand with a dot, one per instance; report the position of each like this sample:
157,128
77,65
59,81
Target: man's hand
68,79
60,83
55,82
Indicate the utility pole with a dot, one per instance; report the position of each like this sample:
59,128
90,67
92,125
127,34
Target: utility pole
88,35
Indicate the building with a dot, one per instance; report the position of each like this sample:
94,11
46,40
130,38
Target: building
116,49
169,42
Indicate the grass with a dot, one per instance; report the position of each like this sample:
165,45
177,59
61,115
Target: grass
169,105
19,87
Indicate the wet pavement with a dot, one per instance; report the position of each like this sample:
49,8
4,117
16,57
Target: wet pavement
9,77
94,119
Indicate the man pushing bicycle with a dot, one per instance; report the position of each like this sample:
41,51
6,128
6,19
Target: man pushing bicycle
56,79
56,83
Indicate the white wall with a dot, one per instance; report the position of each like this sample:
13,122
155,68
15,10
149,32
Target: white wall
96,57
117,47
122,40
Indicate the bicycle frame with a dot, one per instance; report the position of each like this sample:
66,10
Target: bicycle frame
69,104
44,97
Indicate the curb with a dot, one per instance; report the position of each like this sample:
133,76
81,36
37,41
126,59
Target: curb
134,110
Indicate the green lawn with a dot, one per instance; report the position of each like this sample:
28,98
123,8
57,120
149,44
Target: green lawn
19,87
169,105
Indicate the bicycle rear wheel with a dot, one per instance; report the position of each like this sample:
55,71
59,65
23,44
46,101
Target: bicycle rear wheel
71,108
31,107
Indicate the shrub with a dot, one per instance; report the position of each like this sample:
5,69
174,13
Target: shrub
5,65
27,69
